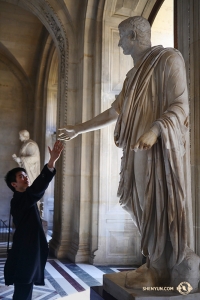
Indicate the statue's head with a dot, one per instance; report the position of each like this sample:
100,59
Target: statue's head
140,27
24,135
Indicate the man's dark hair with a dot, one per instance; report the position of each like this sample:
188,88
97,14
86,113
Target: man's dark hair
11,176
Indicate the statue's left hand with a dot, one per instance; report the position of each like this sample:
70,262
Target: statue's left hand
145,142
17,159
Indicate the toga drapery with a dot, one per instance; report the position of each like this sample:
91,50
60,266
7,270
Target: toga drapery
155,184
30,159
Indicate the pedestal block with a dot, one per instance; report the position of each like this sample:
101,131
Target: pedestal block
98,293
114,284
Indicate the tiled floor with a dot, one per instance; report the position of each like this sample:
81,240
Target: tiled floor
64,280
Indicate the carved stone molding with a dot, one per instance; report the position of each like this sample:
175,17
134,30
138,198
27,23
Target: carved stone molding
60,39
126,7
60,190
129,8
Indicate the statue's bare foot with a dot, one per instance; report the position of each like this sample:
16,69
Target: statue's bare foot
142,277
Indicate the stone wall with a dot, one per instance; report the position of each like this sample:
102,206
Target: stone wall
88,224
19,48
188,42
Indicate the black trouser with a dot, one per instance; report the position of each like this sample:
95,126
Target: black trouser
23,291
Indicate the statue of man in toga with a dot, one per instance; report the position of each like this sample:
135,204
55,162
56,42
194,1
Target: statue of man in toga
29,159
29,156
151,115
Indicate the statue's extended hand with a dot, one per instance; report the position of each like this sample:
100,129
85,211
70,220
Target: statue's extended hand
67,133
145,142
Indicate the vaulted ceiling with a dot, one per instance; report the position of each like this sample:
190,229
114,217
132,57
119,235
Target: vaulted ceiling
22,34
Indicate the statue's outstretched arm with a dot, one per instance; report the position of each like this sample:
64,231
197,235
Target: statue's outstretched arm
71,131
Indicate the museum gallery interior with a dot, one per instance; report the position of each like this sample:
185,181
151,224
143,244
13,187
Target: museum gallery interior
60,64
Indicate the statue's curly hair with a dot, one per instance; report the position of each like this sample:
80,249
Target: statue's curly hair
141,26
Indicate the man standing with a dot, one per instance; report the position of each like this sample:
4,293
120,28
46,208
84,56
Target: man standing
151,115
27,258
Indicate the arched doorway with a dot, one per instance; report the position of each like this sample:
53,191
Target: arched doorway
118,238
44,23
51,121
162,32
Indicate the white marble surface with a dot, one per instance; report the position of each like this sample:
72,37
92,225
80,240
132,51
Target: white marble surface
78,296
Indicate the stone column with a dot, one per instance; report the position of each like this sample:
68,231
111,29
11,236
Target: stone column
187,40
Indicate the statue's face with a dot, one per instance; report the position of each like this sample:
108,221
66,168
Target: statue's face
21,137
126,41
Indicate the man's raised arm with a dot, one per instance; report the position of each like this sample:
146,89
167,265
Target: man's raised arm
71,131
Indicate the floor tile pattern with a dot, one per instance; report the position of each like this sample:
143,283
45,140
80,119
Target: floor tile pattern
61,279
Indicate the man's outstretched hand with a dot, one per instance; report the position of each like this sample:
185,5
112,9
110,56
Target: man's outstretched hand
145,142
55,153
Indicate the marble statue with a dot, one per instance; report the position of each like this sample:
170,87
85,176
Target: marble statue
151,115
29,156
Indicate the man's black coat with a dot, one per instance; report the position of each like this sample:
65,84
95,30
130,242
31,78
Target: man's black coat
27,258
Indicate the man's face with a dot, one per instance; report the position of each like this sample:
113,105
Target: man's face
126,41
22,182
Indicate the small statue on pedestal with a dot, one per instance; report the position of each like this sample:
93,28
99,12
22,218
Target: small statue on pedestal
29,157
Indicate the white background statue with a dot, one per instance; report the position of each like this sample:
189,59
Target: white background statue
29,155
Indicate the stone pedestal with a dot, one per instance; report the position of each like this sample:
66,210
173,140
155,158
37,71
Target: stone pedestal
45,226
98,293
113,284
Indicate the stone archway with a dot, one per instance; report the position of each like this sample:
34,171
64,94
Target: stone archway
77,36
55,18
16,92
51,88
117,240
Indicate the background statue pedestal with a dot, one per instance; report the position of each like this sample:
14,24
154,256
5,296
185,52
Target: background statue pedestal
113,284
45,226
